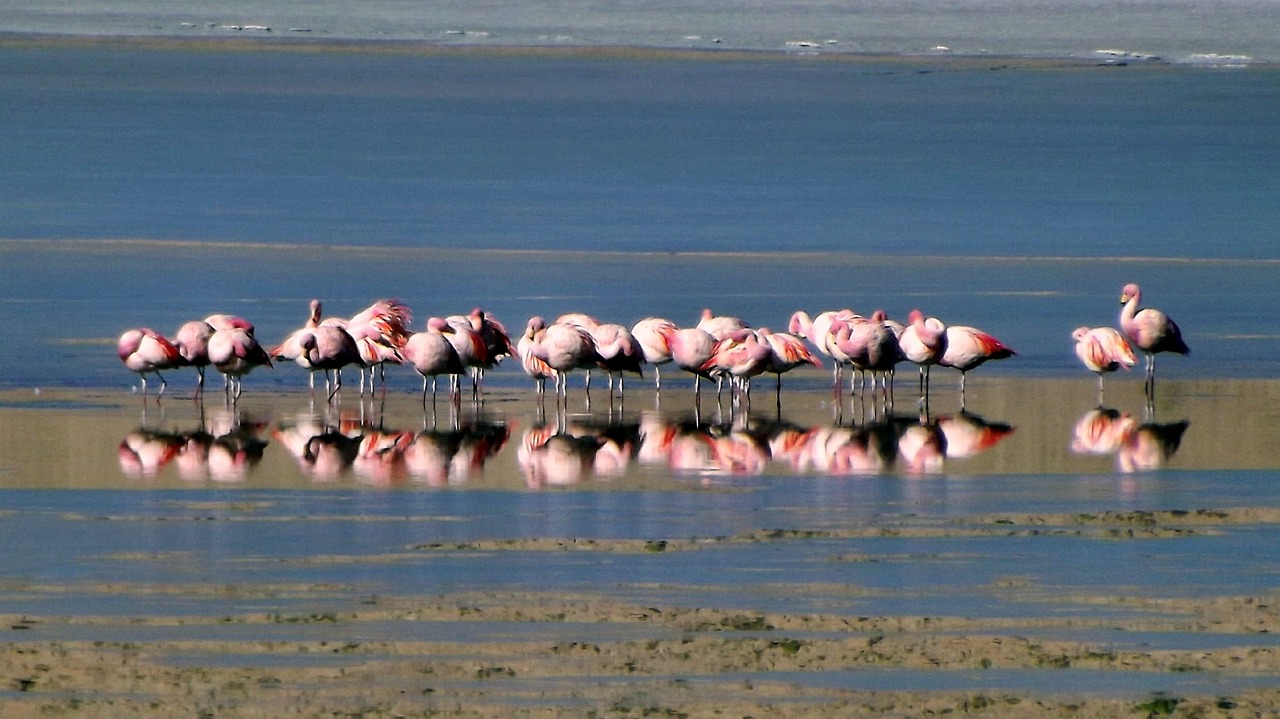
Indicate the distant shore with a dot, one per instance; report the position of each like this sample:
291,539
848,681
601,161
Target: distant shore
304,43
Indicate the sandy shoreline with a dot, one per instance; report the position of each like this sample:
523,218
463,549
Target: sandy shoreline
898,596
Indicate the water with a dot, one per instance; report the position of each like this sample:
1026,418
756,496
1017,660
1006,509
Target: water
148,185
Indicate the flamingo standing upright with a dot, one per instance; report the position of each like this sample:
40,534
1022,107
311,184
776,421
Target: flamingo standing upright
1150,330
968,348
432,355
145,351
653,334
1102,350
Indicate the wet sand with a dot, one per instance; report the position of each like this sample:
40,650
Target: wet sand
745,584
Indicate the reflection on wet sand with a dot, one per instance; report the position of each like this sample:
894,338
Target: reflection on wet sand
327,448
1137,446
223,447
565,449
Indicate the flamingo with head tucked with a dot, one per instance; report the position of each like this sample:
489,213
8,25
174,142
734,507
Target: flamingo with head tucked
968,348
1103,350
234,351
291,347
720,326
923,342
432,355
145,351
192,341
1150,330
653,334
690,350
563,347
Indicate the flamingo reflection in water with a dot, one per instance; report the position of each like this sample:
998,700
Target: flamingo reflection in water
456,455
571,453
224,449
1137,446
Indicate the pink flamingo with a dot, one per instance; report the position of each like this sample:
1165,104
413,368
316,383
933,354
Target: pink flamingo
786,352
740,356
329,348
234,351
563,347
653,334
618,352
690,350
497,343
380,330
923,342
143,350
431,355
472,350
534,366
291,347
720,327
968,348
820,331
871,347
1103,350
1150,330
192,341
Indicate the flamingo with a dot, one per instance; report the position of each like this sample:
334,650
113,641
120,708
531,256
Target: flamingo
618,352
472,350
923,342
534,366
690,349
329,348
431,355
872,347
291,347
496,341
820,331
740,356
379,330
143,350
653,334
1102,350
234,351
786,352
968,348
720,327
563,347
192,341
1150,330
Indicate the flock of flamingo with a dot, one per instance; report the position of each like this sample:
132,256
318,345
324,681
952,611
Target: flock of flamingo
717,349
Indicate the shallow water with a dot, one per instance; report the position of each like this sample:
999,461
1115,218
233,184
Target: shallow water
160,186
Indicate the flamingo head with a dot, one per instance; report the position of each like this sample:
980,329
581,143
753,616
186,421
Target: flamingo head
1130,292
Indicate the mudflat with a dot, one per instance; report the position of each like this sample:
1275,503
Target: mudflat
279,557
